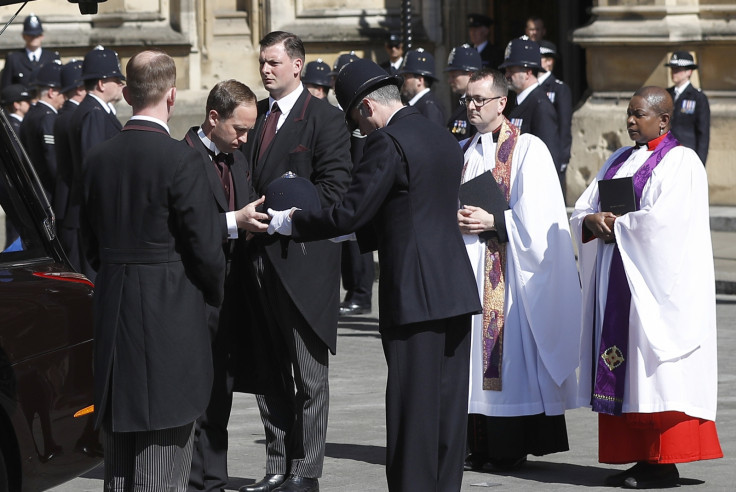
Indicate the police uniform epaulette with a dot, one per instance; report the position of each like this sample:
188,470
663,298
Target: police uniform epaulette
557,81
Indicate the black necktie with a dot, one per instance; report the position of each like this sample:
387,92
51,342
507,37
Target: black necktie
269,130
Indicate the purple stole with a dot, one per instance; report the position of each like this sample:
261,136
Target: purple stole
610,376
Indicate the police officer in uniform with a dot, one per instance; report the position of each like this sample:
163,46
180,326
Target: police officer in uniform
341,61
20,64
37,129
691,120
72,86
15,99
316,78
479,27
533,113
418,73
395,50
462,61
560,96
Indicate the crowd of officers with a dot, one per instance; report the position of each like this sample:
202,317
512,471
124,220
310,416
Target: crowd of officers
62,111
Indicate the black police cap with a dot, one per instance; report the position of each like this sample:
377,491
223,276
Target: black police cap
479,20
14,93
317,73
682,59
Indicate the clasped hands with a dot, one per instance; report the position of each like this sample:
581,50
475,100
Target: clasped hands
250,219
601,225
475,220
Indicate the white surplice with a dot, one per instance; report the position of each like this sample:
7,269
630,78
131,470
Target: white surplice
668,258
541,336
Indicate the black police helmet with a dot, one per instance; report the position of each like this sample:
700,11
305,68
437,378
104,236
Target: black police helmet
465,58
71,75
418,62
317,73
547,48
14,93
522,52
289,191
101,63
32,26
357,79
343,60
48,75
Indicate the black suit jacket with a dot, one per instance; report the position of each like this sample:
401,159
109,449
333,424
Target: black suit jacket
14,122
691,121
64,162
430,107
37,136
90,125
152,232
403,199
537,116
313,143
491,56
19,69
560,96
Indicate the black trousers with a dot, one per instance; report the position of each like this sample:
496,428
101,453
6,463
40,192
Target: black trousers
358,274
427,404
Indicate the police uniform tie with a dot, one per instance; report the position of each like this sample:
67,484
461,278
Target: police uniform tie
270,128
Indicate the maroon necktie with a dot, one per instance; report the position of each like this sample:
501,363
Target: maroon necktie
269,130
222,163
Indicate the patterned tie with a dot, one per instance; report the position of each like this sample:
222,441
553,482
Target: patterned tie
222,164
269,130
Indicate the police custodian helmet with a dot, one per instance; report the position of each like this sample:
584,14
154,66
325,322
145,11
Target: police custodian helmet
522,52
418,62
101,63
48,75
317,73
464,58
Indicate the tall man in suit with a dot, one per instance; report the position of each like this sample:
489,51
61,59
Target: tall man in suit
418,73
72,86
37,129
299,291
152,231
560,96
533,113
230,113
20,65
691,119
403,201
93,122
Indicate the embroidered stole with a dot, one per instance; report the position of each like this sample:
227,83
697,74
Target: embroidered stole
610,375
494,287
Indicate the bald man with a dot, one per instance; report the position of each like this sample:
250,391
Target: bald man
649,303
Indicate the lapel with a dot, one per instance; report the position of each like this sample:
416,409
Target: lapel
193,140
275,161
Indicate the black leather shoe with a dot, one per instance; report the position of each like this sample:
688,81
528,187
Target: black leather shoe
475,462
350,309
654,477
269,483
299,484
617,479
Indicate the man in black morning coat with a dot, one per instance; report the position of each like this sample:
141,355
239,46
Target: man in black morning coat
533,113
691,119
230,113
93,122
151,230
300,291
403,200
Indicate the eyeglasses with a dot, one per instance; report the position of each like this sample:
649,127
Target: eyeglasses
478,101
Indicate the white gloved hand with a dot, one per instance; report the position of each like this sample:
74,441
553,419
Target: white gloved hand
280,221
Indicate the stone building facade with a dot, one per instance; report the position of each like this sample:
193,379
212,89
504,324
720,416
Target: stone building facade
625,44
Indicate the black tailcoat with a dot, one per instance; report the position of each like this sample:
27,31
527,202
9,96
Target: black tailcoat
691,120
151,230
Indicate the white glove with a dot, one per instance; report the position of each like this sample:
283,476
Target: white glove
280,221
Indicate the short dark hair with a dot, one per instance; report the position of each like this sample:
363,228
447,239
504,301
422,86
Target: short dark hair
500,86
150,73
292,43
227,95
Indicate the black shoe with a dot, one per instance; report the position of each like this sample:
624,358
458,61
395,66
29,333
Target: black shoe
508,464
267,484
299,484
475,462
350,309
653,477
618,479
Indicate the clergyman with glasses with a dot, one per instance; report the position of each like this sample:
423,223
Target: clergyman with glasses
524,343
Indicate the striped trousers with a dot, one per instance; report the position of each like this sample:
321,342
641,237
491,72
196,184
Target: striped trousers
148,461
294,413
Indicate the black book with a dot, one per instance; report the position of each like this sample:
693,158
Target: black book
617,195
483,191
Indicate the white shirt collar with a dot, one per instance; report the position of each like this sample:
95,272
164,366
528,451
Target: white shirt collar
523,94
481,46
286,103
392,115
50,106
36,53
152,120
73,101
543,76
418,97
681,89
207,142
17,117
397,63
104,105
